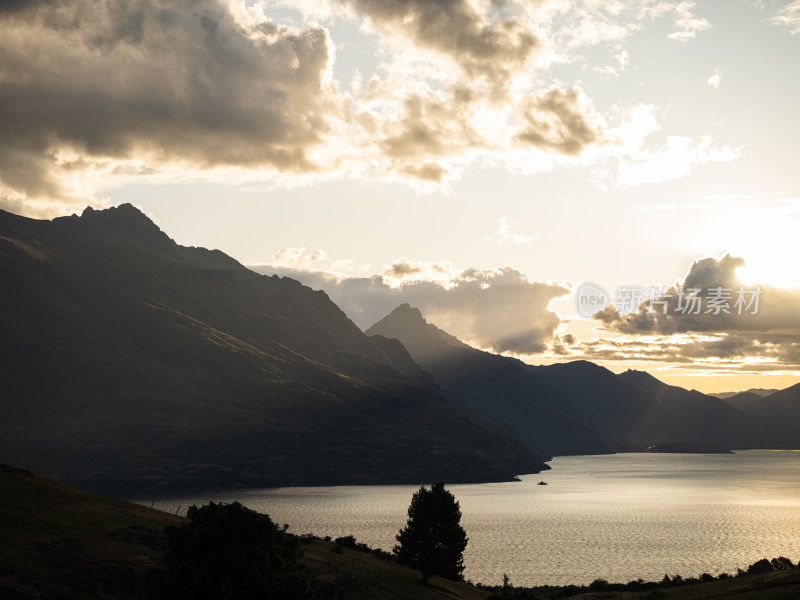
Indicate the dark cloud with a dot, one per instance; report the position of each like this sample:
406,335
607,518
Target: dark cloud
482,43
762,335
86,83
96,93
500,309
736,351
763,307
558,120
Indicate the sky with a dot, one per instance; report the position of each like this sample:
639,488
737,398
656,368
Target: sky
483,160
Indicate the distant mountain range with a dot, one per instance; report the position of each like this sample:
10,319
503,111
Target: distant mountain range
502,393
130,362
757,391
580,407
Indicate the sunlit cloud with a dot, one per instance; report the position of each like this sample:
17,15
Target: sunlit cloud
501,310
709,315
687,23
677,158
504,235
97,95
716,79
788,16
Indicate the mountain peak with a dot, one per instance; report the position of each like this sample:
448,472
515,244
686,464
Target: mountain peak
407,324
406,311
643,381
129,221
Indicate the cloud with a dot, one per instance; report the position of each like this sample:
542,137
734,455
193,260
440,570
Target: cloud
788,16
687,22
477,38
99,94
677,158
504,235
498,309
560,120
724,353
708,316
505,311
296,258
715,79
91,89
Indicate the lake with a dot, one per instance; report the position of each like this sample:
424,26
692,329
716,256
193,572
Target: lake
617,517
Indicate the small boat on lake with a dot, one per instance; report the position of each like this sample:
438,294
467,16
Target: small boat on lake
542,483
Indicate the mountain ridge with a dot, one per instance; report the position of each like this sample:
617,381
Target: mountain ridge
557,407
134,361
494,390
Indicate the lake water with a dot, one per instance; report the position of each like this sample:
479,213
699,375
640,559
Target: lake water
617,517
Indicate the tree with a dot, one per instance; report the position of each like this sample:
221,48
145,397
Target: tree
433,540
229,552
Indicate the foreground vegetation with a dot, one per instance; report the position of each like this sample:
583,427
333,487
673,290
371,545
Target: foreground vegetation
61,542
775,579
57,541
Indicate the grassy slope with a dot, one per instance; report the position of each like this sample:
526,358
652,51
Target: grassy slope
58,538
377,579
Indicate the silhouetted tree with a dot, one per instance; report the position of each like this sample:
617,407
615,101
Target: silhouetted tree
781,563
433,540
229,552
760,566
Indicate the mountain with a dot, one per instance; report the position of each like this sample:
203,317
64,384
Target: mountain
494,390
688,416
755,391
575,407
779,410
598,398
744,400
127,360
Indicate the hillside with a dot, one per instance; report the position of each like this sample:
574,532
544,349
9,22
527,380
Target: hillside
779,410
497,391
682,415
57,541
130,362
580,407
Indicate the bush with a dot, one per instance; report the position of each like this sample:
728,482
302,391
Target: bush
599,585
781,564
229,552
761,566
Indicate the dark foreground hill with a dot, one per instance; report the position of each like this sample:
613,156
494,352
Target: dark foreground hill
128,361
59,542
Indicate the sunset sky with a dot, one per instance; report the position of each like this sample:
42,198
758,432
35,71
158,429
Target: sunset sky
478,159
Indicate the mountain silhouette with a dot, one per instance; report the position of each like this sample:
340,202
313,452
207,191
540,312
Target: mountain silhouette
779,410
497,391
690,416
129,361
575,407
